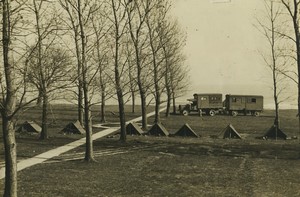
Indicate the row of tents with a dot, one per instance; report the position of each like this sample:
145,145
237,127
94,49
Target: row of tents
159,130
156,130
187,131
32,127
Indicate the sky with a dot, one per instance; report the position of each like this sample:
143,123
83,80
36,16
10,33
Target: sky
223,48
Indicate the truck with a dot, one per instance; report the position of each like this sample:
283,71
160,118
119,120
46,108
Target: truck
243,104
210,104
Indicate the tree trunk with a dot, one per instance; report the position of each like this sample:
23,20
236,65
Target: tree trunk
79,76
299,97
297,41
103,118
298,66
118,75
120,95
169,98
141,88
101,72
167,82
39,99
157,107
144,111
174,103
142,95
155,71
89,153
157,96
10,146
121,115
157,92
142,92
133,101
276,120
80,99
44,133
274,69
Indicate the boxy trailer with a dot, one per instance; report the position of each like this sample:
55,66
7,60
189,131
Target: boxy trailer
212,104
244,104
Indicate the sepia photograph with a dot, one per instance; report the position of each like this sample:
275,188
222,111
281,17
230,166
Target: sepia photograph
148,98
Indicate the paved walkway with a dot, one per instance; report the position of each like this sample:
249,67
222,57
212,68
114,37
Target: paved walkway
62,149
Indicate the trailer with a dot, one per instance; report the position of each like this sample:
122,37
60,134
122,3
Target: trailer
243,104
210,104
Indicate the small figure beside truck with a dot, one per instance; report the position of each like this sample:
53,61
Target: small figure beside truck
212,104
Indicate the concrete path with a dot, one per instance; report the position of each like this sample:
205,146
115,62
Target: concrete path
62,149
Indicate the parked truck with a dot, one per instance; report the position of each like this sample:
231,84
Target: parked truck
203,103
212,104
244,104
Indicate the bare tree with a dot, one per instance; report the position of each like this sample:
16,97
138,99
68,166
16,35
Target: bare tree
119,21
45,70
101,58
80,12
89,155
11,88
157,26
176,72
292,8
48,75
8,106
72,23
132,75
275,58
137,12
11,18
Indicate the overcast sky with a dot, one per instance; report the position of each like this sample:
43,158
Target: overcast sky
223,47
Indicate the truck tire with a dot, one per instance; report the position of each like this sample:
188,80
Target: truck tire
212,112
234,113
185,112
256,113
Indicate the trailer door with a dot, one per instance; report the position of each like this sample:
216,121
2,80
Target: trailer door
254,103
237,103
203,102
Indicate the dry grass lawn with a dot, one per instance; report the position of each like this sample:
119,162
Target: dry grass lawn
167,166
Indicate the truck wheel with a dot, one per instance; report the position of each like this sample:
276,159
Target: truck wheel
185,112
212,112
234,113
256,113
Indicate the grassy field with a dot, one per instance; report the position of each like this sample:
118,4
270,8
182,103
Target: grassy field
166,166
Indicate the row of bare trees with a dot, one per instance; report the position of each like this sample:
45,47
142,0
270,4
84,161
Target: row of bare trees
90,51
